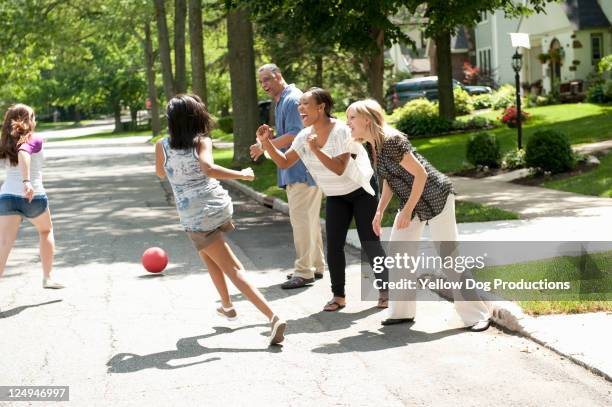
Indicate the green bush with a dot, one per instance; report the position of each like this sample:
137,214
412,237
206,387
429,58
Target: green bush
549,150
503,97
463,102
419,117
513,159
226,124
483,149
474,123
484,101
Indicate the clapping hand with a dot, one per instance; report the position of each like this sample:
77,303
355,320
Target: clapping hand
264,132
312,141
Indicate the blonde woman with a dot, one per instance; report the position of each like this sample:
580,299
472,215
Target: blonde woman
426,197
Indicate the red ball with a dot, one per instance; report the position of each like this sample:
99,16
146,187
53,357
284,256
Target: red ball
154,259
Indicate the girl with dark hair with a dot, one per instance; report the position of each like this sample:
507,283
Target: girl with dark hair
325,146
204,207
22,194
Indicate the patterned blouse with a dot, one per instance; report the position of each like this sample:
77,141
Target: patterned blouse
437,187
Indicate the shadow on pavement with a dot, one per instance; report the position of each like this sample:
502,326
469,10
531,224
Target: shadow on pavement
387,337
17,310
324,321
185,348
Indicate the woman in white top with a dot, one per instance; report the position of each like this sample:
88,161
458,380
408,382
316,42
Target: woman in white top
324,146
22,194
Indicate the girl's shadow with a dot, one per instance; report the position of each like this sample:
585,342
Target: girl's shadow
185,348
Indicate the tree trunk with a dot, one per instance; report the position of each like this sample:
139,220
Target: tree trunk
164,49
134,118
242,76
180,76
149,62
375,67
445,75
117,115
196,40
319,71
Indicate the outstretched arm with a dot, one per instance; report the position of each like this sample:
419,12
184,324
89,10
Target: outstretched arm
210,169
282,160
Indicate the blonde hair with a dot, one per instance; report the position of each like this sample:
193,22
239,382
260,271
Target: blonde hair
378,127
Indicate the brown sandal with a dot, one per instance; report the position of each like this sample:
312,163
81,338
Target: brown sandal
333,306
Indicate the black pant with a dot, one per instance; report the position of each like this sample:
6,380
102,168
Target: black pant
339,211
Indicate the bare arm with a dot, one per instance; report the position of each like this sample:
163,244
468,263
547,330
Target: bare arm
284,141
282,160
210,169
414,167
336,164
385,198
23,161
159,160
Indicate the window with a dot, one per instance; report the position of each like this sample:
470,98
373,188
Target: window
596,48
484,60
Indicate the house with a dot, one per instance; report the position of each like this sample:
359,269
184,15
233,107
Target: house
567,42
421,62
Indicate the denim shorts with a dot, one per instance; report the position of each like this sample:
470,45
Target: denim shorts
18,205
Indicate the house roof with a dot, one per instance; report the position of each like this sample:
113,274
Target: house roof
585,14
420,65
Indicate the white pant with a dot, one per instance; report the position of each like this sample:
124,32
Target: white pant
443,229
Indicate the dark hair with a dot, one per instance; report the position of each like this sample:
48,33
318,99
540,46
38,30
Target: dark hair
188,120
18,125
322,96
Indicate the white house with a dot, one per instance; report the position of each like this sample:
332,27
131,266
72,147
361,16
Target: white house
576,33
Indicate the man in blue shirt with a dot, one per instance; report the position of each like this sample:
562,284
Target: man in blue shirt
303,195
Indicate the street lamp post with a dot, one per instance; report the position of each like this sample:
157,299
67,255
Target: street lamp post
517,64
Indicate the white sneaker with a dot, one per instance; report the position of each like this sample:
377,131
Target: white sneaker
48,283
229,313
277,330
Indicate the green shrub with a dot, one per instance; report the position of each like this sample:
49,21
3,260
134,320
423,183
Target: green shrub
595,94
483,149
226,124
463,102
484,101
474,123
419,117
513,159
607,90
549,150
503,97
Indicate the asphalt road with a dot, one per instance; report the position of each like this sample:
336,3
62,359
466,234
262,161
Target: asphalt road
120,336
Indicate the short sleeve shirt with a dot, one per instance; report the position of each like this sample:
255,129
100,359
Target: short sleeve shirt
337,143
437,187
288,121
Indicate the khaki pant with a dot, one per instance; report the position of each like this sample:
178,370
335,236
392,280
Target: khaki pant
304,213
443,229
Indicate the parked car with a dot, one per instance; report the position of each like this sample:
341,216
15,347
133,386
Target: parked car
427,87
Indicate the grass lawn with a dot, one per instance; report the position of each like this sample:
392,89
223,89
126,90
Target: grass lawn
62,125
591,284
582,122
265,182
597,182
103,135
